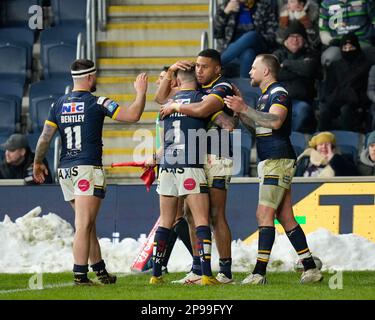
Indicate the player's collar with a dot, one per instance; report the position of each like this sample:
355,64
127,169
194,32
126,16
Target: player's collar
266,88
210,84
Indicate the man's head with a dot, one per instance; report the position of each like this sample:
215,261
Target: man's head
186,77
295,36
84,74
15,148
265,68
296,5
162,75
322,142
371,145
350,47
208,66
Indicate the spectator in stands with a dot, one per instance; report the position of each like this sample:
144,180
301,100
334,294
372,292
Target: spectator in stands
297,73
366,164
339,17
243,29
18,161
371,94
343,93
321,160
307,13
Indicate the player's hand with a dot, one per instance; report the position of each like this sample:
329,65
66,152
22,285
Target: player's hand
235,103
168,108
232,6
39,172
140,83
236,91
181,65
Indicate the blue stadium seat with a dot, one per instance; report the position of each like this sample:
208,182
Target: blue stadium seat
16,12
8,115
249,93
13,62
13,90
3,138
69,12
348,143
38,109
66,34
298,142
57,59
49,87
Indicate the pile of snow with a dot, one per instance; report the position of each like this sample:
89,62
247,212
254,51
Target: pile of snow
44,244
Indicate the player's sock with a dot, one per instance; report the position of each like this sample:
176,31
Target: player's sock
99,268
266,239
160,246
80,273
298,240
197,268
225,267
204,248
182,229
170,244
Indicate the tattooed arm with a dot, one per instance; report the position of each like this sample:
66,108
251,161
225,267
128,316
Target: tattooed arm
272,119
39,168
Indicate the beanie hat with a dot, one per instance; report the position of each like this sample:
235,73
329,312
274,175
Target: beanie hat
370,139
323,137
295,27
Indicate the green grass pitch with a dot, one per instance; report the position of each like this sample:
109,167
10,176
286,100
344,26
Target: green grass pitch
281,286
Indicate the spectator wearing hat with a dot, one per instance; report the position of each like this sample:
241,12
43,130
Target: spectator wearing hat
366,165
343,93
18,160
307,13
244,29
321,159
297,74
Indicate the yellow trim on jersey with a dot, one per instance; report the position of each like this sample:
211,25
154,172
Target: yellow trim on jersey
192,89
215,95
266,88
280,106
264,134
116,113
50,123
206,241
216,115
211,83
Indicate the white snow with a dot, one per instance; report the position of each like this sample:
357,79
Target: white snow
36,243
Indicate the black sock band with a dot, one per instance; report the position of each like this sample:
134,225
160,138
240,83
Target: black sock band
80,268
99,266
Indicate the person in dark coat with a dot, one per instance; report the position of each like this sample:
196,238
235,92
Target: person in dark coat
18,160
366,164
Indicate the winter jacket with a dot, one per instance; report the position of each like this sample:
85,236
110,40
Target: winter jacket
265,22
366,166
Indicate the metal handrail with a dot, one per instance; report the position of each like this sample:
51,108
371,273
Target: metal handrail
102,15
204,40
212,11
91,30
80,46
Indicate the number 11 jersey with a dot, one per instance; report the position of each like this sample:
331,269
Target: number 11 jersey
79,117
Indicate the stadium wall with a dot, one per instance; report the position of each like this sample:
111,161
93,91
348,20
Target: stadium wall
340,205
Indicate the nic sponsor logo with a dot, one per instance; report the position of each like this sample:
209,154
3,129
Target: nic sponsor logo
73,108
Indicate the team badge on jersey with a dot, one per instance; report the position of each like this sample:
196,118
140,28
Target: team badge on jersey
73,108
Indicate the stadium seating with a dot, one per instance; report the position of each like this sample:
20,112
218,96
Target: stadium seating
8,107
249,93
49,87
39,108
69,12
13,59
66,34
348,143
13,90
3,138
16,12
57,58
298,142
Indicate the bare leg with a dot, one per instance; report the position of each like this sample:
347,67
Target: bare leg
95,253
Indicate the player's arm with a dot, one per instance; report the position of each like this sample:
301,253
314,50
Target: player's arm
165,92
272,119
134,112
40,171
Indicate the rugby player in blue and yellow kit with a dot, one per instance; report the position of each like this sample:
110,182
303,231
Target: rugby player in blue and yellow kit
181,174
79,118
277,164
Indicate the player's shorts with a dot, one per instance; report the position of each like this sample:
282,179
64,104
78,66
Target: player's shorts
218,171
82,181
275,176
178,182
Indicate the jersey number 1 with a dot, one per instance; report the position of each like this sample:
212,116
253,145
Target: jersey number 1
69,131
